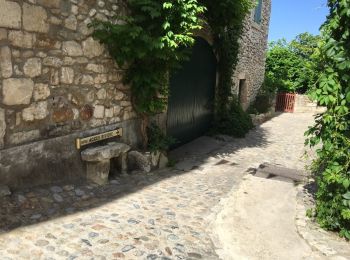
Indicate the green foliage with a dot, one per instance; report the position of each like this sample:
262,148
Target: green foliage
309,213
226,21
332,128
293,66
158,141
171,163
235,122
225,14
154,39
151,41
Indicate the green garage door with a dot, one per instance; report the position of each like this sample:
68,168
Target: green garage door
192,92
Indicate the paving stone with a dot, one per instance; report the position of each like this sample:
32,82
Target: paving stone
79,192
127,248
36,216
93,234
56,189
57,197
41,243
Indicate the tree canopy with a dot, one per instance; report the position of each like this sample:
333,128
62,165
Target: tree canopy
292,66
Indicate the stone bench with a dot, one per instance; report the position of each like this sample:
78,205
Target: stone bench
98,161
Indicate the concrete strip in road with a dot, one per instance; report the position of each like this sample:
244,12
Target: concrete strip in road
258,222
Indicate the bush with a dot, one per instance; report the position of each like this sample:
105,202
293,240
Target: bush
292,66
234,122
332,128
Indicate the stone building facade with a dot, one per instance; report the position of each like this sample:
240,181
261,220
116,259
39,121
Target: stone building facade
250,71
57,83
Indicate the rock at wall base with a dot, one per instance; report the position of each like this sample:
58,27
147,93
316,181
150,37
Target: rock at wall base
155,158
163,161
139,161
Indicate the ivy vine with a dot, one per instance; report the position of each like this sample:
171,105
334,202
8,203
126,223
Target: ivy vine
152,41
226,19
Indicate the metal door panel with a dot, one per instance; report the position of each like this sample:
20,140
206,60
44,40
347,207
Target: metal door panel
192,92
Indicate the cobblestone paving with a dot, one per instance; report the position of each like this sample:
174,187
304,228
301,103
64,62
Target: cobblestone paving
161,215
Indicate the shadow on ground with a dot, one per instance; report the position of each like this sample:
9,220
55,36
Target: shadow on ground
31,206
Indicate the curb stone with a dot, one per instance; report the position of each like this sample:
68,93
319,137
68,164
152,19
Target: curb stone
328,244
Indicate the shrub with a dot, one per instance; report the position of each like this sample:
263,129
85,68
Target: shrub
332,128
234,122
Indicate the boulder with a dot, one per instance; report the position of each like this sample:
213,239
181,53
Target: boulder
139,161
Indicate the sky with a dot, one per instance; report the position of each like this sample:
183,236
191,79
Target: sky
292,17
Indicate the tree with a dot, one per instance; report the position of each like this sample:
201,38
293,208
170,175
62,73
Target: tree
292,67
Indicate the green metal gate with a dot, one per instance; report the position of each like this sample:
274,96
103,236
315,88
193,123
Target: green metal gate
192,93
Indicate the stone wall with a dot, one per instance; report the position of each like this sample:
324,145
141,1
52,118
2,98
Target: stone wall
252,55
54,78
303,104
56,83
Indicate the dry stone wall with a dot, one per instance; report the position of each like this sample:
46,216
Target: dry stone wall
55,79
252,55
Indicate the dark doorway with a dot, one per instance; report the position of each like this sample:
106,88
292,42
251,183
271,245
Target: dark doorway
242,92
192,93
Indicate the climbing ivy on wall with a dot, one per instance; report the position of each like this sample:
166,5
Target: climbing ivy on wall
226,20
153,40
332,128
150,41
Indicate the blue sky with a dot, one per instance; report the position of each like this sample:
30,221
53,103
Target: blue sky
292,17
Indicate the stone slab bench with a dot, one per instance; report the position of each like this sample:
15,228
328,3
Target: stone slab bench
98,160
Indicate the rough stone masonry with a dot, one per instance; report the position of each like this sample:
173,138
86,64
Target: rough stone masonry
55,81
250,70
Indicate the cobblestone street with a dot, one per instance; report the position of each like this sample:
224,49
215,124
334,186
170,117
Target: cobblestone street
162,215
